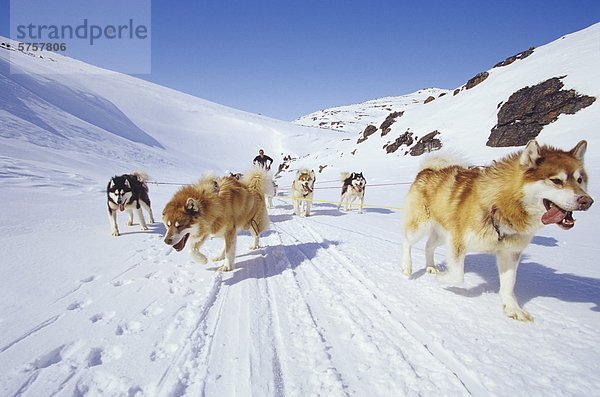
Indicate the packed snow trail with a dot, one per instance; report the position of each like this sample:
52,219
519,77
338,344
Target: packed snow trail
321,308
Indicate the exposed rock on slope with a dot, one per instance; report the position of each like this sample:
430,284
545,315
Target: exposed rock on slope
528,110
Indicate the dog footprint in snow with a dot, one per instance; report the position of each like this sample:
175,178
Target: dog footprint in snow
132,327
88,279
105,316
78,305
153,310
120,283
99,355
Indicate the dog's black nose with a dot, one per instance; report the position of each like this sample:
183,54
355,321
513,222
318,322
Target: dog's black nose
584,202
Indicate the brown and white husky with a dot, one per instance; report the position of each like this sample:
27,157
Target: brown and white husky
219,207
495,209
303,186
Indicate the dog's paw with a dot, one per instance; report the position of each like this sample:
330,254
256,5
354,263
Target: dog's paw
407,271
115,233
130,223
432,269
144,227
516,313
151,220
224,268
452,278
199,257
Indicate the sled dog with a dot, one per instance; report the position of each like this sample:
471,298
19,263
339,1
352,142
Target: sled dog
302,191
271,194
494,209
217,207
353,188
128,192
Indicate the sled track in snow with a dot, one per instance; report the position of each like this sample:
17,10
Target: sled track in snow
332,268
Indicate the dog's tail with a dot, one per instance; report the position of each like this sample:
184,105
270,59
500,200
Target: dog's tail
440,162
141,176
258,180
344,175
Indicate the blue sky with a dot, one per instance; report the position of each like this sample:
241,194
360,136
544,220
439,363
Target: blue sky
286,58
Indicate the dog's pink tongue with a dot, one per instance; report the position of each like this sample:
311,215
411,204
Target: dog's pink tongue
553,215
121,207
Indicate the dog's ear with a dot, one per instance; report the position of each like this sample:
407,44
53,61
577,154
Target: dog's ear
192,206
111,184
579,150
127,183
531,154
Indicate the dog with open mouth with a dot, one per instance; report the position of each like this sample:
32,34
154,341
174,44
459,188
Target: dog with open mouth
353,187
128,192
494,209
303,186
218,207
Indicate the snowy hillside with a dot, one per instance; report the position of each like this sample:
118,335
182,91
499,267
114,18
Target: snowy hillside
463,119
354,118
72,109
321,308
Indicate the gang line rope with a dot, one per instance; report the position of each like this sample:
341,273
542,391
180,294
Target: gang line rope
337,203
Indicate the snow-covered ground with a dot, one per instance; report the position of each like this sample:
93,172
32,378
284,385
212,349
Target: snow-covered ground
321,308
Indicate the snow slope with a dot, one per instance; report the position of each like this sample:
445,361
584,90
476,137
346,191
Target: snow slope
354,118
321,308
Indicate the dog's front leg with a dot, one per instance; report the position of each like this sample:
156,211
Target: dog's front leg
130,219
221,256
296,206
307,204
230,240
112,218
195,251
360,205
508,263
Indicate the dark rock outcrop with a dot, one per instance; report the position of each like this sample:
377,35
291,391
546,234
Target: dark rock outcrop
389,120
476,80
426,144
429,99
369,130
404,139
520,55
528,110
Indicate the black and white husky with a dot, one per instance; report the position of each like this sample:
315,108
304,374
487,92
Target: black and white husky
353,188
128,192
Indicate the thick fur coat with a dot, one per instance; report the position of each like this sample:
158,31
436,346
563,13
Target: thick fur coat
353,188
495,209
218,207
128,192
303,186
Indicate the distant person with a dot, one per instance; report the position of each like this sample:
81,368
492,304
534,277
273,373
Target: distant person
262,160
